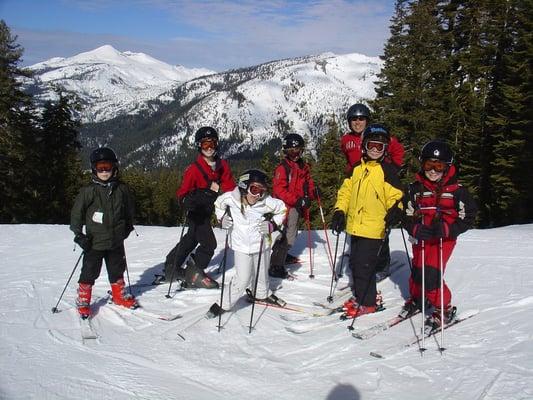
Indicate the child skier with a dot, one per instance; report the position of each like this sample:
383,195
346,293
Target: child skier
105,207
438,209
294,185
366,203
251,216
203,180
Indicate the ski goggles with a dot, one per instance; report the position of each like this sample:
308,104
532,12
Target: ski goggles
104,166
256,189
207,144
436,165
375,145
294,152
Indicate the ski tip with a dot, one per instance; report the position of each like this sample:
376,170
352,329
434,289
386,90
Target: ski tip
375,355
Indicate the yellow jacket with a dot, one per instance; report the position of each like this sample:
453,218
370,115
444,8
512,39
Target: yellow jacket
366,197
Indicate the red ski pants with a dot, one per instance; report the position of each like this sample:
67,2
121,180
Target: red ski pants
431,271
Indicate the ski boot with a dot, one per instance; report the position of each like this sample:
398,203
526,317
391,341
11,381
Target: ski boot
355,312
290,259
411,307
195,277
120,297
271,299
83,302
433,322
278,271
214,311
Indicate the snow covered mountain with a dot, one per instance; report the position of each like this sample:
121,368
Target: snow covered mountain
109,82
148,110
250,107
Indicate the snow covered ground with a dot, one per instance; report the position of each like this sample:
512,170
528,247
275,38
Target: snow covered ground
137,356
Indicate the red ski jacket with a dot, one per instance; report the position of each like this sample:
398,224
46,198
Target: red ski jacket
199,175
292,180
351,147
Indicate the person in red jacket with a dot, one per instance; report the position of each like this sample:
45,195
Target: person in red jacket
203,181
438,209
294,185
358,117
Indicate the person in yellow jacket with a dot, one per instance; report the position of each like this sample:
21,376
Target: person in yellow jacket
367,203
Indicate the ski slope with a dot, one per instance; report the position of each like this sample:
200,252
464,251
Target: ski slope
137,356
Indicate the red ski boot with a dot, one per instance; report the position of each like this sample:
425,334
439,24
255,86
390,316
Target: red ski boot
120,297
83,302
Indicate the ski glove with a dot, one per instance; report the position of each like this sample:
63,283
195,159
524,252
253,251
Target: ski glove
303,202
394,216
265,227
226,222
83,241
338,222
423,232
441,230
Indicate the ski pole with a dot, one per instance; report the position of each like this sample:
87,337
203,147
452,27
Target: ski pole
423,244
223,272
406,251
341,268
387,232
54,309
441,267
174,264
256,281
308,224
330,297
331,259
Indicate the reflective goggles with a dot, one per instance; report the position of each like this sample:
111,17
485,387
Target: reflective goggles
104,166
375,145
207,144
436,165
256,189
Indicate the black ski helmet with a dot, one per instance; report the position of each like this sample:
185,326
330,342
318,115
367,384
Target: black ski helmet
103,154
357,110
205,132
437,149
293,140
251,176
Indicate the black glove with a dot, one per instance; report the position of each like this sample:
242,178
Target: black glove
83,241
303,202
423,232
338,222
441,229
394,216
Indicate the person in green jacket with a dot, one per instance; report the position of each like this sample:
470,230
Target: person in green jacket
105,207
367,203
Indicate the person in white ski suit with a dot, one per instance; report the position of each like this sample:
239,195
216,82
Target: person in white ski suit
251,215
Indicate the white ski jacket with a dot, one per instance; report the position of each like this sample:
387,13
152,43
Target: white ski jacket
244,235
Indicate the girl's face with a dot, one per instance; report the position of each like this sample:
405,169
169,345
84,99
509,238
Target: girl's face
434,169
433,175
104,170
208,147
375,149
256,191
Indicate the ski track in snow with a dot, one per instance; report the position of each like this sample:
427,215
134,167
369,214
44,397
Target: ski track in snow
488,357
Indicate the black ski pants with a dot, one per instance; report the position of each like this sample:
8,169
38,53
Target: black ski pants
199,232
115,262
363,261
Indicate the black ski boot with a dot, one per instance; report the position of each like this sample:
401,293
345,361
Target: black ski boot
272,299
278,271
214,311
195,277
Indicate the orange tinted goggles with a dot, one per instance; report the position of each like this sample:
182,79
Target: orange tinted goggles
436,165
207,144
104,166
378,146
256,190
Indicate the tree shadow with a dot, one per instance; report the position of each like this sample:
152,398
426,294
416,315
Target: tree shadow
343,391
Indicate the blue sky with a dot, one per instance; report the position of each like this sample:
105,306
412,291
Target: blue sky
213,34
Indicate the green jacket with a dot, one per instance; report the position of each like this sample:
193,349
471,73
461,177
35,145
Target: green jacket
106,210
366,197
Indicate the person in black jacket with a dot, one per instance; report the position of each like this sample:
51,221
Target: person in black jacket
106,209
